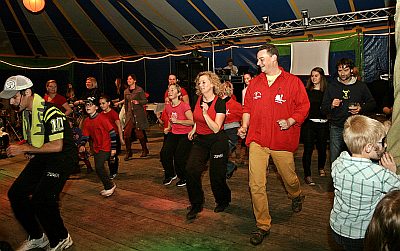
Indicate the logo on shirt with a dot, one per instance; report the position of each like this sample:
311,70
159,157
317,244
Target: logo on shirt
227,112
279,99
257,95
346,94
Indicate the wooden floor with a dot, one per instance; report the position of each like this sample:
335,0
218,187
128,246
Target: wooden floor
143,214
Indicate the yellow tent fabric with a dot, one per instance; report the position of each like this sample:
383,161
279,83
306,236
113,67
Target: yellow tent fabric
394,132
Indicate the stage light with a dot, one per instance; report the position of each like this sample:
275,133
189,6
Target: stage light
266,23
304,15
34,6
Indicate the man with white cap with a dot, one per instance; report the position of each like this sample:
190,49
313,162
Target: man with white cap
52,154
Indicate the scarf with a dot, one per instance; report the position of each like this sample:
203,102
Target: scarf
34,130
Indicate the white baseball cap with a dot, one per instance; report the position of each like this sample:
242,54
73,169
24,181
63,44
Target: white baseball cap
15,84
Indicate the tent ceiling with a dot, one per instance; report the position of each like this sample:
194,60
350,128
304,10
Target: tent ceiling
100,29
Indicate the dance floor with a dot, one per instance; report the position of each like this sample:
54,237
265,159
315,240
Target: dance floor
143,214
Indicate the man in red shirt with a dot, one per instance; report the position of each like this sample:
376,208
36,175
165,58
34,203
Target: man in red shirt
275,105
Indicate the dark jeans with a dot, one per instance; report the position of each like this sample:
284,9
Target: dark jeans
347,243
336,141
34,196
232,140
213,147
175,154
314,133
99,159
113,165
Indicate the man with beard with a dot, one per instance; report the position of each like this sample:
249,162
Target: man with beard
345,96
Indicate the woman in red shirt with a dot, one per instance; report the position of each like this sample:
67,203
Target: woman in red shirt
177,145
210,143
53,97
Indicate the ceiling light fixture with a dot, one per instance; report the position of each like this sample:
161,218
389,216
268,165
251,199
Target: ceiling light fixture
34,6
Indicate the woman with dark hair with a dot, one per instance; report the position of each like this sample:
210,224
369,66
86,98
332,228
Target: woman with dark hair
135,116
315,128
211,143
383,233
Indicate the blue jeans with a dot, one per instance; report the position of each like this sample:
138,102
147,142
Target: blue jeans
336,143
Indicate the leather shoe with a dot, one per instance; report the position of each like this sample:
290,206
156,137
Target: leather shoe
194,210
145,152
258,236
220,207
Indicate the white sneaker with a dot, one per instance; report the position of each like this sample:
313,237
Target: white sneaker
109,192
62,245
34,243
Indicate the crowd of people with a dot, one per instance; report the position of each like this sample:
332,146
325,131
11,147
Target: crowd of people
277,109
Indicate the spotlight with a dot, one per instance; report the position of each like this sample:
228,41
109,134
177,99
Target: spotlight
304,15
266,23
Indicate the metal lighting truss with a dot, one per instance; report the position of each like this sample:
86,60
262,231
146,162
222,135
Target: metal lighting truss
286,27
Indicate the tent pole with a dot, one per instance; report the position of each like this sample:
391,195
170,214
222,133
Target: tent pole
213,56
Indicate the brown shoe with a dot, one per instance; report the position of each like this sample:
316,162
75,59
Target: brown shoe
145,152
128,155
309,181
297,203
258,236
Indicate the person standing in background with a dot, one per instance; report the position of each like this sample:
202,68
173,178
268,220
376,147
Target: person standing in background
344,97
315,128
135,117
53,97
231,66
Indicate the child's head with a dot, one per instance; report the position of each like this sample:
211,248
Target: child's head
383,232
174,91
363,134
91,105
104,102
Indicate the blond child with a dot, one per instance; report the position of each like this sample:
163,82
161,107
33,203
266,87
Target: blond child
359,182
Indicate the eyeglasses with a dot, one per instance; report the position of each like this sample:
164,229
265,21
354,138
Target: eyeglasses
383,142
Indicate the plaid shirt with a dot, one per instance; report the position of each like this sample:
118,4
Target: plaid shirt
359,185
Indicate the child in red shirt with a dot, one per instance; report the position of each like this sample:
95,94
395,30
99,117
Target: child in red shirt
113,118
99,129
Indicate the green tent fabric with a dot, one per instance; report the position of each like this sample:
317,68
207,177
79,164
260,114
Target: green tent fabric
394,132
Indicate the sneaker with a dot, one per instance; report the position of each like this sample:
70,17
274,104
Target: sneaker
322,173
112,176
109,192
309,181
258,236
297,203
62,245
181,183
168,180
34,243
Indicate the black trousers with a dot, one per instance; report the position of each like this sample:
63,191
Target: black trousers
114,164
175,153
213,147
314,133
34,196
